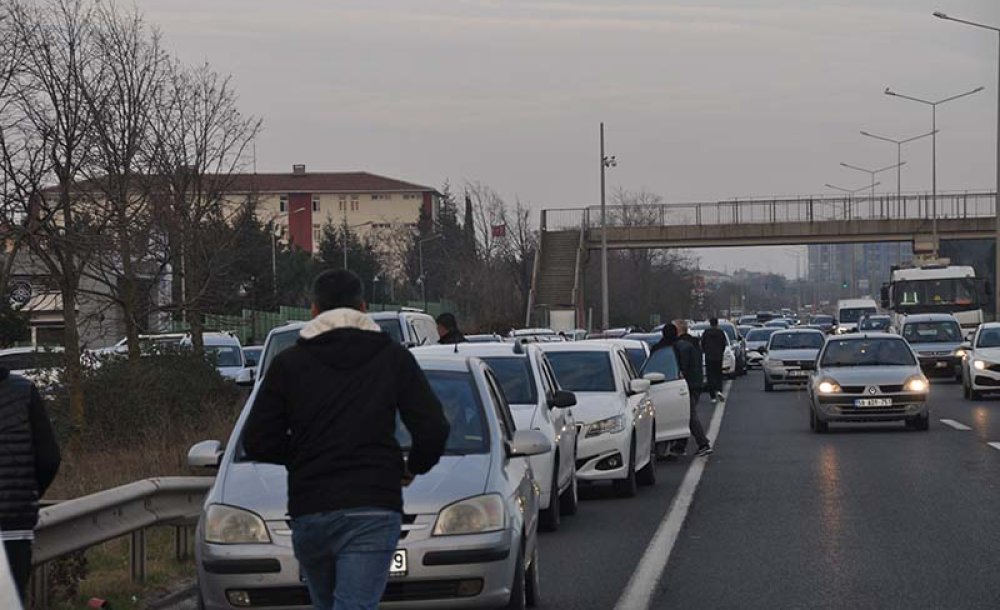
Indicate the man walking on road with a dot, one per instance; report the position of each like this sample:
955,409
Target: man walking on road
714,343
448,330
689,363
29,461
326,410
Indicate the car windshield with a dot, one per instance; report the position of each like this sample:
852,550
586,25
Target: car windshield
853,314
460,399
637,356
867,352
944,331
874,324
583,371
277,343
761,334
989,337
662,361
252,355
225,355
797,340
514,373
939,292
392,328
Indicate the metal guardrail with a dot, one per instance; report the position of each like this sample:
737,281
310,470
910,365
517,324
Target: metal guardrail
78,524
978,204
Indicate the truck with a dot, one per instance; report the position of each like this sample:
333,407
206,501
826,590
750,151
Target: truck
850,311
936,287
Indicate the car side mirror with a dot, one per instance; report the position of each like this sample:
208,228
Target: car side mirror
638,386
655,378
561,399
206,454
527,443
251,362
246,377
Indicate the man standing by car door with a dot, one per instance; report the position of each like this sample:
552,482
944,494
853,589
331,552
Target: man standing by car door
689,363
327,410
714,343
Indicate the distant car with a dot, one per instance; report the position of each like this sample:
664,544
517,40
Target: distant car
251,354
875,323
748,321
791,357
38,364
408,327
148,345
868,378
981,362
756,342
777,324
469,534
728,356
745,328
224,350
614,413
937,340
489,338
824,322
537,403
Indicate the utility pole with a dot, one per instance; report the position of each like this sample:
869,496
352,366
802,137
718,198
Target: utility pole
606,162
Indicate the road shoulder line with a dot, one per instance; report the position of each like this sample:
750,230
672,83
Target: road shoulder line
951,423
638,592
995,445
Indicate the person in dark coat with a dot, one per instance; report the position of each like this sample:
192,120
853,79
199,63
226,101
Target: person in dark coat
326,410
689,363
29,461
448,330
714,343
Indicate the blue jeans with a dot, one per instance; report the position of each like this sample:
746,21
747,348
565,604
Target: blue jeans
345,555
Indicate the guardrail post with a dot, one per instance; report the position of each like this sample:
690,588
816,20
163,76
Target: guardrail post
138,556
39,597
182,541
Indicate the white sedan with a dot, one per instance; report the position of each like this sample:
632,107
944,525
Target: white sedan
981,362
537,403
615,416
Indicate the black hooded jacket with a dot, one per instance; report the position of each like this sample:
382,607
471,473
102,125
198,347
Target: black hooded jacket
688,354
327,409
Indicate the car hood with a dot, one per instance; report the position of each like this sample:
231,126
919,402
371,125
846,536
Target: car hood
262,488
595,406
936,347
230,372
874,375
991,354
793,354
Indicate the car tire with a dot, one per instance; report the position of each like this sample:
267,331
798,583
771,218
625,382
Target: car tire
647,476
974,394
532,582
569,503
966,391
816,424
662,449
768,386
923,423
518,588
627,487
548,519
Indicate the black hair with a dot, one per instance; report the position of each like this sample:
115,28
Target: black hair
338,288
713,321
448,321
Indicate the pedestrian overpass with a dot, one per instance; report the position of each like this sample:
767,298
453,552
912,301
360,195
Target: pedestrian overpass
568,236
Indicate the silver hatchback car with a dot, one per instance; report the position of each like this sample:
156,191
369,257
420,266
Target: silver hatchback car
469,535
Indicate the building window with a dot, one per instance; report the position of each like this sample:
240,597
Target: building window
315,203
381,197
283,203
410,196
317,234
355,204
343,205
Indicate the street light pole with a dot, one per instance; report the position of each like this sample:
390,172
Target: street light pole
934,130
606,162
899,155
996,202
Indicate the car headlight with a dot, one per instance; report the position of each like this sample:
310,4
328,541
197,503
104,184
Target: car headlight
828,386
476,515
611,425
916,384
980,365
231,525
959,353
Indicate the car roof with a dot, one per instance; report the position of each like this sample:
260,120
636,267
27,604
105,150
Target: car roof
596,345
30,349
800,329
869,335
440,362
930,317
625,343
394,315
480,350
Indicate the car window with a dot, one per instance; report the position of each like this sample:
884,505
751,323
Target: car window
515,377
853,314
583,371
460,399
548,387
225,355
761,334
943,331
277,343
989,337
502,408
874,324
627,369
392,328
663,361
548,373
796,340
867,352
636,356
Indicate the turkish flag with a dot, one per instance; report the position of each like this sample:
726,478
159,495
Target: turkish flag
499,230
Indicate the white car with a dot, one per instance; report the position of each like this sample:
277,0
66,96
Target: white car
408,326
791,357
614,414
757,339
537,403
224,349
40,364
728,356
981,361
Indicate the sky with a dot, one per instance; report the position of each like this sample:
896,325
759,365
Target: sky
702,101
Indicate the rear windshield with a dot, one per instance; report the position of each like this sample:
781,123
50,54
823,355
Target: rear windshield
225,355
514,374
945,331
867,352
583,371
874,324
663,361
854,314
392,328
761,334
458,395
804,340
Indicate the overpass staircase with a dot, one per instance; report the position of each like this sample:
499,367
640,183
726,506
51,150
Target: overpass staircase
557,278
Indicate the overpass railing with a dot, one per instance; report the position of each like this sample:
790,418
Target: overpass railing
976,204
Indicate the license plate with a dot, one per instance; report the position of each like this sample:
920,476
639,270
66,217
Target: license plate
398,565
798,373
873,402
941,365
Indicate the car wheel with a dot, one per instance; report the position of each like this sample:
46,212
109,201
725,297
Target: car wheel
768,386
662,450
816,424
626,488
549,518
647,476
974,394
966,393
518,592
923,423
532,582
569,503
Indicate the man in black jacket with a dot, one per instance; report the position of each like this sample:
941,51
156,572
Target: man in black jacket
448,330
714,343
689,363
29,461
326,410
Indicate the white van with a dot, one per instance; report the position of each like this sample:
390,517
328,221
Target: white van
849,311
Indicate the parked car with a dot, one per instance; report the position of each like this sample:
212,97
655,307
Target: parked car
408,326
748,321
671,397
614,413
791,357
756,341
636,350
937,340
728,356
225,351
981,361
868,378
251,355
650,339
445,557
537,402
875,323
825,322
39,364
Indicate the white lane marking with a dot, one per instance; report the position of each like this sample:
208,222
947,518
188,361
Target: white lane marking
638,592
955,424
994,445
